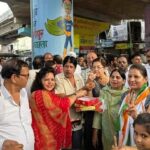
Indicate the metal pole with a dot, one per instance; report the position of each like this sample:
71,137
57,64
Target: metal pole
130,38
31,14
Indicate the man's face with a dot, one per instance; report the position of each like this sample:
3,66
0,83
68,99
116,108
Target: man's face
81,61
69,70
115,62
22,78
122,63
48,57
90,57
137,60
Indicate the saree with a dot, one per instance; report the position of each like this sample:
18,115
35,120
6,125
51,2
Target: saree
50,121
126,122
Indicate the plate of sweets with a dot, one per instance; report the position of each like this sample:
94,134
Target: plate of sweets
89,104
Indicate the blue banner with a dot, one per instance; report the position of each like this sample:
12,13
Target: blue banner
52,26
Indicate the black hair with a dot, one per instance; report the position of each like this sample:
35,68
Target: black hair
144,120
70,59
37,83
81,55
101,60
37,62
122,74
124,56
110,58
58,59
12,66
141,68
47,53
135,55
49,63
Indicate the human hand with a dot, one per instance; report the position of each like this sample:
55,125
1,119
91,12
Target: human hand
11,145
89,85
120,148
101,73
103,79
91,76
81,93
148,109
132,109
116,146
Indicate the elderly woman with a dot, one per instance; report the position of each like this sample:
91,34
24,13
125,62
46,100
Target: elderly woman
50,112
135,101
108,120
100,78
68,83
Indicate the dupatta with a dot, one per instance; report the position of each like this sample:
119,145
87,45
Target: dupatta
126,122
51,121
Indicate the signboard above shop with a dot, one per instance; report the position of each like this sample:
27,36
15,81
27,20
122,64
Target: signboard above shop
106,43
118,33
123,46
86,31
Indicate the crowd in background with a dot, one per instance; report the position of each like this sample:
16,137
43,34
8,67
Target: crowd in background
50,90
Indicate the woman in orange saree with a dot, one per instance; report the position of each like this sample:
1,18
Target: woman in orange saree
50,113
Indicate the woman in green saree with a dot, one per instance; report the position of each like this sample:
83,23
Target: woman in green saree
108,120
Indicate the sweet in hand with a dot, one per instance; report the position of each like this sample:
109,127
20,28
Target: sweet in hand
89,85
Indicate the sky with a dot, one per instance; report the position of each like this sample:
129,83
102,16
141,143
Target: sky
3,7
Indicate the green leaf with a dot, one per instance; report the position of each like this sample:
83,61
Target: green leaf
55,27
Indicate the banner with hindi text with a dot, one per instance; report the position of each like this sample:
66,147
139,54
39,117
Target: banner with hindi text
52,26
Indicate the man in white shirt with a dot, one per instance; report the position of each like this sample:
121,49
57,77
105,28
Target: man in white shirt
15,117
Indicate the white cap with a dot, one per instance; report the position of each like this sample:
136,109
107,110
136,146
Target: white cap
73,54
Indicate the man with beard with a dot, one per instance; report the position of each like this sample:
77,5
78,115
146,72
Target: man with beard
123,63
123,66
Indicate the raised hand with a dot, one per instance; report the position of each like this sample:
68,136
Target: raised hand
89,85
132,109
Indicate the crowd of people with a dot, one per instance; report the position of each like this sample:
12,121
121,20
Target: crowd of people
38,111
